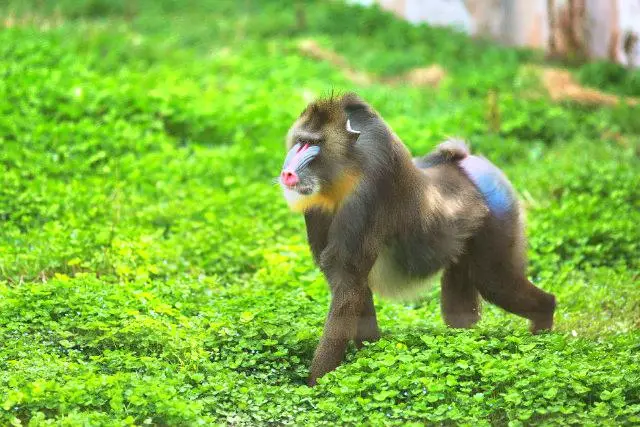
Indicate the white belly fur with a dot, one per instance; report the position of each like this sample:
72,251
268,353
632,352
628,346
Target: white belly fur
387,281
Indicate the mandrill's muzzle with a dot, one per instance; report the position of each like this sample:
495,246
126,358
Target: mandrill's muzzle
297,159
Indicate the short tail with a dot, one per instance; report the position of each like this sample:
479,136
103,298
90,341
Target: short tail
451,150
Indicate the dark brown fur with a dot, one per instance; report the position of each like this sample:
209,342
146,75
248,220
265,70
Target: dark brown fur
399,222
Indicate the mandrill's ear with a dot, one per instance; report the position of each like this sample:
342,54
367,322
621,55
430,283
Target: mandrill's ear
352,104
357,112
363,121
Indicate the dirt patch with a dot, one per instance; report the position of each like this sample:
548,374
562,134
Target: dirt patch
313,50
44,23
430,76
561,86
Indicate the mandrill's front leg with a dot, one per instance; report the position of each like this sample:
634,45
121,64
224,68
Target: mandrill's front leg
351,313
368,330
342,324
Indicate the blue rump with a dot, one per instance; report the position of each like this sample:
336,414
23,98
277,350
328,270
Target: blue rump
491,182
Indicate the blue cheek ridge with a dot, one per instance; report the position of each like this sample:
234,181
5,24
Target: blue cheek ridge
300,162
290,155
308,155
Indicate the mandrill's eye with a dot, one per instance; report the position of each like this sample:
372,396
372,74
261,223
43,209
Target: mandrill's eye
307,141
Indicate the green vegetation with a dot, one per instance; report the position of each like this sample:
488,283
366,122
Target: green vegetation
150,272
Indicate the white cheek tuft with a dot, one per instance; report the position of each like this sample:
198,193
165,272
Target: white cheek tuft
292,197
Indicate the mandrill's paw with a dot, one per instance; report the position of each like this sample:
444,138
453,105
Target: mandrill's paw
312,381
544,322
541,325
368,330
370,336
461,320
328,356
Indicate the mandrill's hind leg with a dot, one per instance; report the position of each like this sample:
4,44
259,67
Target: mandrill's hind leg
498,269
460,302
515,294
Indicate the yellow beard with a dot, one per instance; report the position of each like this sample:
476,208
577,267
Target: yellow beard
327,199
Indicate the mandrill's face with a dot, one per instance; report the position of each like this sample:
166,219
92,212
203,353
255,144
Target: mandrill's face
319,166
299,177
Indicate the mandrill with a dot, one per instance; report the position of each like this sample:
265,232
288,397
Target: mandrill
379,221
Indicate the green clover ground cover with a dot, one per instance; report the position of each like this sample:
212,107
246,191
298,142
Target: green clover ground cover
150,272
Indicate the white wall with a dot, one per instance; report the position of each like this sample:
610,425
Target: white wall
524,22
630,21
